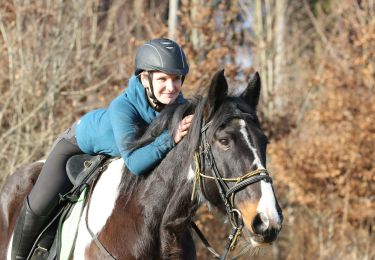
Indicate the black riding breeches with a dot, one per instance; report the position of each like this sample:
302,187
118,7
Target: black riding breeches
53,180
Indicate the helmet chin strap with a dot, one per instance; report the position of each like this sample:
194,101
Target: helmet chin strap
158,106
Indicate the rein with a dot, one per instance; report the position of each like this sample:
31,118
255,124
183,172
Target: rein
227,194
95,237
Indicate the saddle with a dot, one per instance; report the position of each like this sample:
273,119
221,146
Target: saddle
82,171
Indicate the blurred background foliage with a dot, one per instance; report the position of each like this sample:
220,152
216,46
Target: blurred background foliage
60,59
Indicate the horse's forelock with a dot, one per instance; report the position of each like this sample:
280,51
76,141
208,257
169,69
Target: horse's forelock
232,107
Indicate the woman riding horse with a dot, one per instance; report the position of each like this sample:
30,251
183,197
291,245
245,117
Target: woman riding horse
160,70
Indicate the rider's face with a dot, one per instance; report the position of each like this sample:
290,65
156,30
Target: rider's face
166,86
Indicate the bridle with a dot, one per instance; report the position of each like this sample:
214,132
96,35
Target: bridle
201,158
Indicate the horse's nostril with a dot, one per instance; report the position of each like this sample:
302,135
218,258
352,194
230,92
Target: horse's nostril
260,223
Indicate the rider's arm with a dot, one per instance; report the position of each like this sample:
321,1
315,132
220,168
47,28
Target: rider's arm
124,119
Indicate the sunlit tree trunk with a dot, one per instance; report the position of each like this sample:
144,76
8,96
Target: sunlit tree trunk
260,57
139,10
279,47
269,27
172,19
196,36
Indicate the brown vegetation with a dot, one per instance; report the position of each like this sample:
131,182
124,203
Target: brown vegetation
61,59
325,166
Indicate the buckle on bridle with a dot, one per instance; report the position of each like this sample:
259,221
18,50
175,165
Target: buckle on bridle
236,218
237,224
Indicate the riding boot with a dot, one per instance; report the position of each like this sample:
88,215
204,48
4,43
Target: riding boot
27,229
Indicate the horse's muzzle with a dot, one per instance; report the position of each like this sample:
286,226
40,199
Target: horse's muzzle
264,229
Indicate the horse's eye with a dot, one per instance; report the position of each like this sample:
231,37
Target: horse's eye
224,141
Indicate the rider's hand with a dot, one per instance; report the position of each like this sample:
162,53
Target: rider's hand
182,128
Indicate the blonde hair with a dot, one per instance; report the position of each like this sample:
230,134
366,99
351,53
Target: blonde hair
143,76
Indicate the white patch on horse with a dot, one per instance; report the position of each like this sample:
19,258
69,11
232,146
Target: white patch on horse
83,238
243,131
267,202
102,204
10,248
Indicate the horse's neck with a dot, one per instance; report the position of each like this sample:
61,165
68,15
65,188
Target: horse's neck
158,211
153,218
169,189
166,200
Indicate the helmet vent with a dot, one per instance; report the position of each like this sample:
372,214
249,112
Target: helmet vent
166,42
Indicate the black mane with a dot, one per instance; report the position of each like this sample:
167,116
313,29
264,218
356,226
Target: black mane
167,120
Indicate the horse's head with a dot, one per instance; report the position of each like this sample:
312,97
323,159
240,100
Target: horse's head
233,150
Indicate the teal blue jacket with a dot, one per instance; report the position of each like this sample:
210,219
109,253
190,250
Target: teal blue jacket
106,131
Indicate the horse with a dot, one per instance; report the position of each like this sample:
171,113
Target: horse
221,162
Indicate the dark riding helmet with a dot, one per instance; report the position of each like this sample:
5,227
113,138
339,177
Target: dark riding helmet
161,55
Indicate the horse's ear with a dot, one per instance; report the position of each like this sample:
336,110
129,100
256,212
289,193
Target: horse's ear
217,92
252,92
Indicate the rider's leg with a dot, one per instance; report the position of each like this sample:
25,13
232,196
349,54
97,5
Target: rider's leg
53,180
44,198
